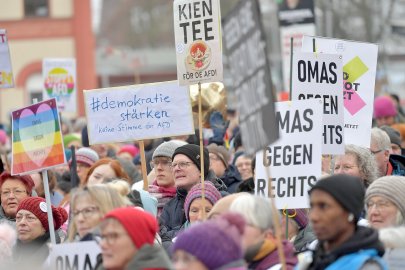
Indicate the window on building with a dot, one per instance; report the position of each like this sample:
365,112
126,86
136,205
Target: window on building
36,8
34,87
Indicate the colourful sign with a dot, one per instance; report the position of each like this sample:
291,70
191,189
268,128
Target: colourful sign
359,72
197,28
37,139
6,72
60,82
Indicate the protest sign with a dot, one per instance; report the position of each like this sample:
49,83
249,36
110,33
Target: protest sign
197,29
296,19
359,72
318,76
250,72
395,258
295,158
36,140
6,72
59,77
80,255
138,112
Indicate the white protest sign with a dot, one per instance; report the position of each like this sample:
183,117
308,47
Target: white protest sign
395,258
318,76
294,159
6,72
197,29
80,255
359,72
59,78
138,112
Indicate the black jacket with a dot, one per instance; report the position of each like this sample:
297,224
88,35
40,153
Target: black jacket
232,179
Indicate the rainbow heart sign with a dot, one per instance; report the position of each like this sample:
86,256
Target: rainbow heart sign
37,139
59,81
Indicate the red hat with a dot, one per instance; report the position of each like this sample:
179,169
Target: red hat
140,225
37,206
130,149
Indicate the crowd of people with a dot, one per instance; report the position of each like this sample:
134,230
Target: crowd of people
357,206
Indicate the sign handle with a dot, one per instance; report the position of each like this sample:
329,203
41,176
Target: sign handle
48,206
143,166
200,126
291,64
277,226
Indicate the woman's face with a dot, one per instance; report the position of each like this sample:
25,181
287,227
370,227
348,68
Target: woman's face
28,226
347,164
86,215
183,260
13,191
100,174
116,246
381,213
196,211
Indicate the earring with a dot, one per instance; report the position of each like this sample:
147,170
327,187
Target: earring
350,218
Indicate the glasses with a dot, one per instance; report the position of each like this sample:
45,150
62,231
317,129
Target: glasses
345,167
28,218
381,205
376,151
110,238
16,192
182,165
87,212
164,163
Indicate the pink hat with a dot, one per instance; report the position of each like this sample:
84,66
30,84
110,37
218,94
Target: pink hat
384,106
3,137
130,149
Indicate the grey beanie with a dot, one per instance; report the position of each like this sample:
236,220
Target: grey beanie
390,187
395,136
167,149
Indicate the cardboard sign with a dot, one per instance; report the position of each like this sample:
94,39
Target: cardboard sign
247,56
37,140
294,159
80,255
318,76
197,29
59,76
6,72
359,72
138,112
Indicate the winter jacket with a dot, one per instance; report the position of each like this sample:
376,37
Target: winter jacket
398,165
147,257
304,237
232,179
272,259
362,250
5,219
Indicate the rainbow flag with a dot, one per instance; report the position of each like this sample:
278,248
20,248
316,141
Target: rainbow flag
37,142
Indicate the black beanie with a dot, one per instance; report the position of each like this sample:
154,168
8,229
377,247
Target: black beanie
192,151
347,190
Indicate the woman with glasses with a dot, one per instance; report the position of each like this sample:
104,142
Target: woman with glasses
385,202
33,235
163,188
88,206
13,189
357,161
127,241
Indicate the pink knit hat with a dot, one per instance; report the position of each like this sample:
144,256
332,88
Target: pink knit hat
3,137
130,149
384,106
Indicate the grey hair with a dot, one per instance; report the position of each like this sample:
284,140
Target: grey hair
380,138
256,210
365,161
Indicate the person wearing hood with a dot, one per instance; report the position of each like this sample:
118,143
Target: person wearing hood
219,164
187,173
259,239
127,241
13,189
334,214
212,245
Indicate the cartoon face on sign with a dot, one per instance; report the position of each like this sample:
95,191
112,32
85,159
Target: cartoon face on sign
59,83
199,56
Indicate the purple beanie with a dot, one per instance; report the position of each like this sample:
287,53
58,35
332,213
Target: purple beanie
215,242
384,106
211,194
299,216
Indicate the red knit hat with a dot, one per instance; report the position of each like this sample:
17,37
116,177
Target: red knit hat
37,206
140,225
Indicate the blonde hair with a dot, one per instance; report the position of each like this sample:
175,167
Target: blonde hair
106,199
122,187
